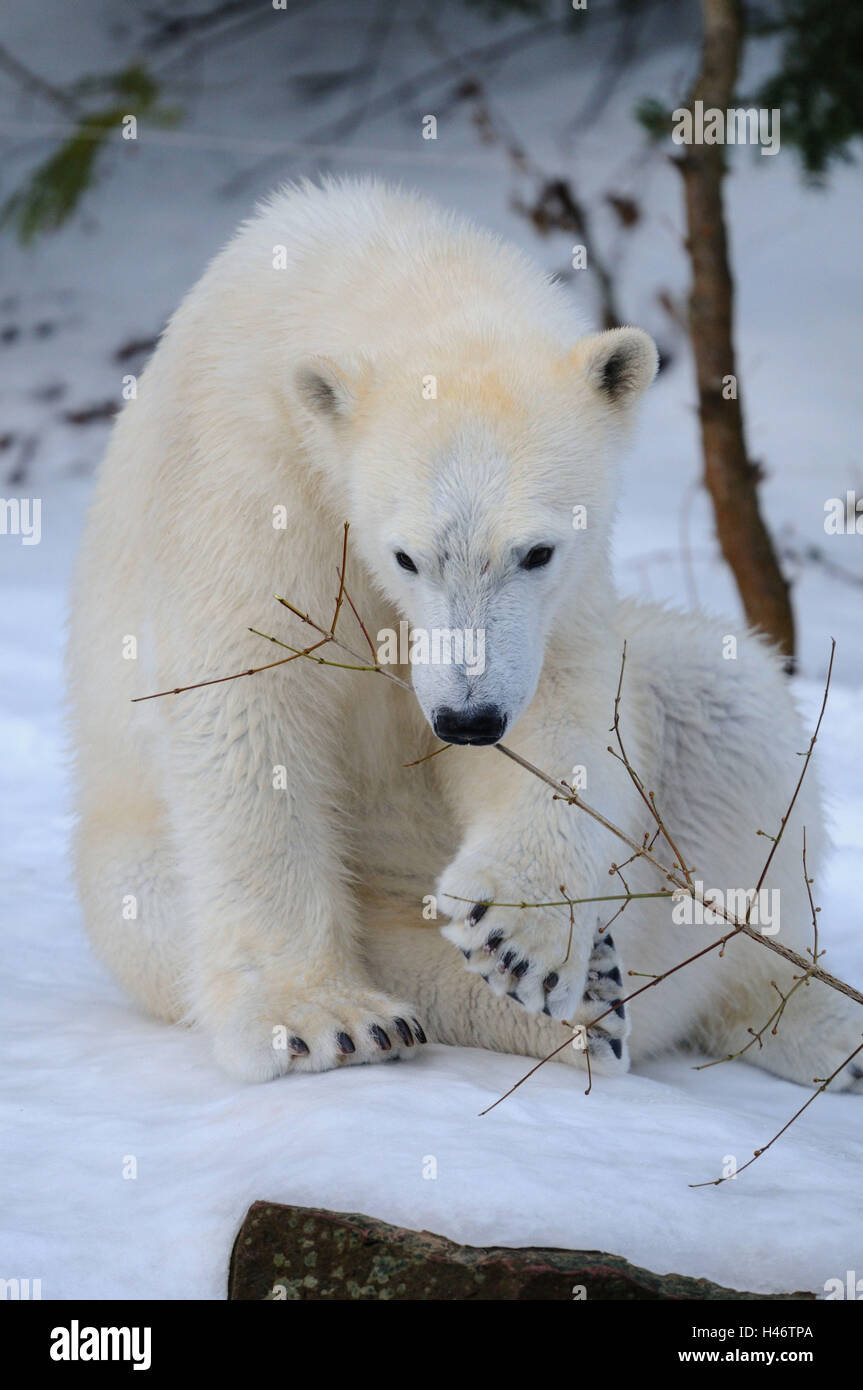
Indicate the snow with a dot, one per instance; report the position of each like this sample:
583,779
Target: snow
87,1083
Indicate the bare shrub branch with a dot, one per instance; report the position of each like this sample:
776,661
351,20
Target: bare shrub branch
677,874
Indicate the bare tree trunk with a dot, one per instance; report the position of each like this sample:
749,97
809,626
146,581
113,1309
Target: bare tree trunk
729,476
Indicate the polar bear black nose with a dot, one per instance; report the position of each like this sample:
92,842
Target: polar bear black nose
485,724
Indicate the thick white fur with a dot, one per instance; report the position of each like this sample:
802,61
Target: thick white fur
260,908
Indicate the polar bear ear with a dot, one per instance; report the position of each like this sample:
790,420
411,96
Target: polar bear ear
619,364
325,389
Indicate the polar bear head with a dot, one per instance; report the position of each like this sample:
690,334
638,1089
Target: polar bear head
480,486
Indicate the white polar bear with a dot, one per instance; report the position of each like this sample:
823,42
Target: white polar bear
355,354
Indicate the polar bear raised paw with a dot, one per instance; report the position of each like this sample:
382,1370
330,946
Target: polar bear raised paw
606,1040
529,953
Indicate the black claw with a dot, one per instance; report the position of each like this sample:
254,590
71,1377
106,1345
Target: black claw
521,969
550,980
466,954
404,1032
493,940
613,974
616,1047
421,1037
511,994
609,940
345,1043
298,1047
507,960
380,1037
485,977
477,912
620,1010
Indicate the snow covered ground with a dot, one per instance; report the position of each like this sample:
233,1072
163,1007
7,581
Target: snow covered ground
87,1083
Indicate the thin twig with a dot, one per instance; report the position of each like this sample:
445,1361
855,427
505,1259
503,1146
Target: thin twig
342,571
803,979
238,675
815,910
647,797
363,628
679,875
318,660
756,1037
427,756
806,759
758,1152
652,983
568,902
566,793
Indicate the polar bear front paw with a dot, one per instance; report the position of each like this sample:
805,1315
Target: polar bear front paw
601,1022
535,954
315,1030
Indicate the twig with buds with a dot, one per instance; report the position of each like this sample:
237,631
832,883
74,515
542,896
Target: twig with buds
677,874
561,789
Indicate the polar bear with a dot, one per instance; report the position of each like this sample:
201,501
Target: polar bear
264,858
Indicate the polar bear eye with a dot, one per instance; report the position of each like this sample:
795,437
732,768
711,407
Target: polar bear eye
405,561
538,557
